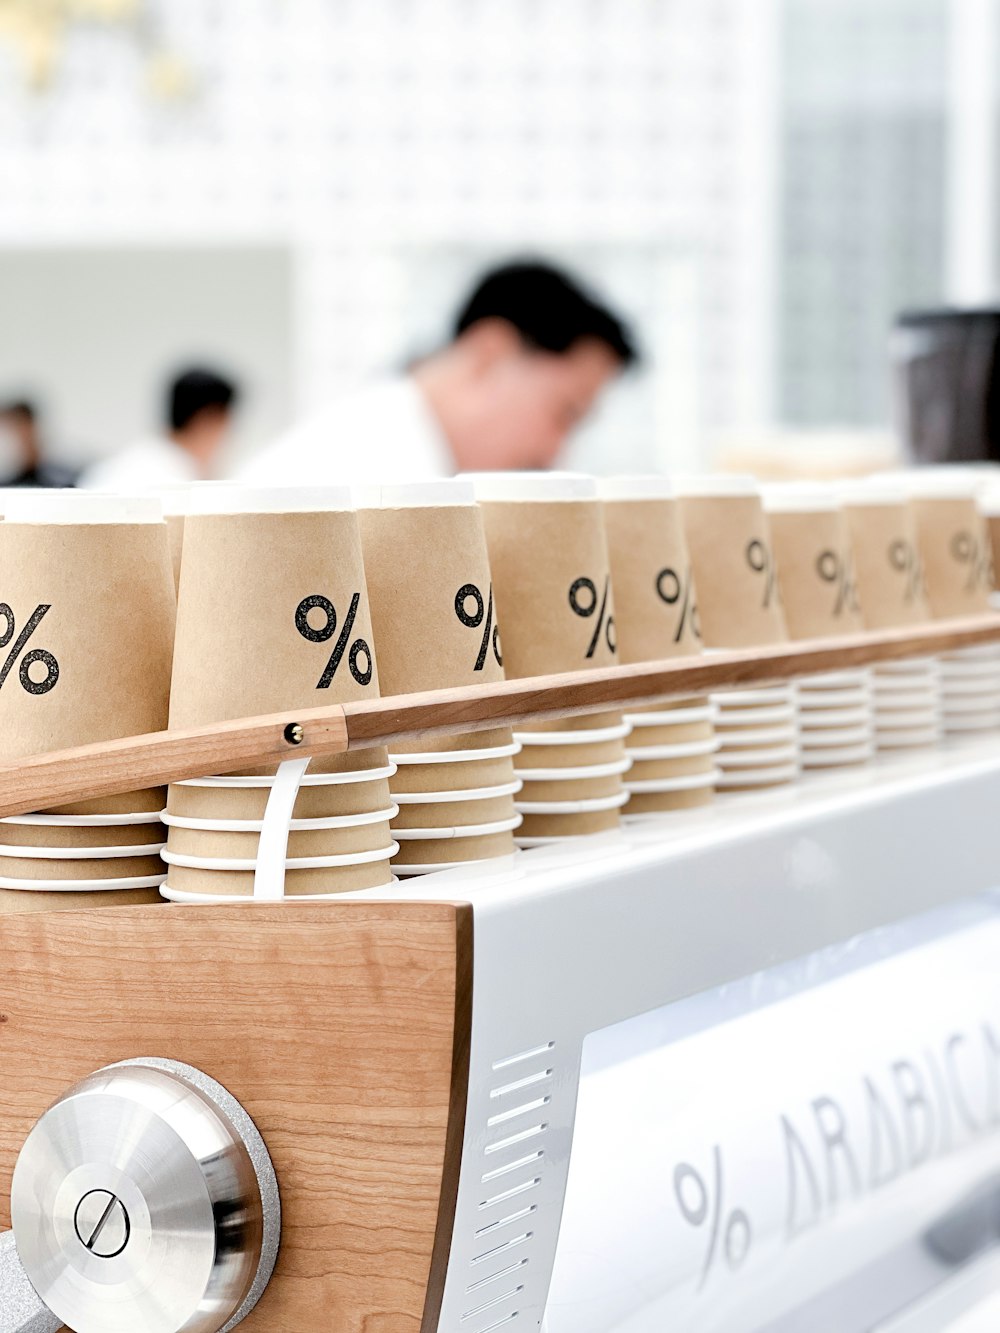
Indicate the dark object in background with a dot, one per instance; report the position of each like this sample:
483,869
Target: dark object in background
947,370
21,418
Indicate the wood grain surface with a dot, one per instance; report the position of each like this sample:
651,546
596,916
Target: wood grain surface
342,1029
144,761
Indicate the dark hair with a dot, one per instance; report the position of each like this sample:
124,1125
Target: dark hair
20,407
194,391
548,308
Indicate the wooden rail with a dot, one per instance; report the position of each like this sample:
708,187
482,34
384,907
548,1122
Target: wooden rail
167,756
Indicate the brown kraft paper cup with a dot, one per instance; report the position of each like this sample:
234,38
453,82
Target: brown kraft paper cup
655,605
120,835
887,564
118,867
573,789
243,845
582,722
454,743
454,814
661,802
993,527
433,608
656,770
320,802
105,594
734,570
812,548
569,826
433,851
681,733
15,901
415,778
124,803
175,539
956,554
298,883
570,756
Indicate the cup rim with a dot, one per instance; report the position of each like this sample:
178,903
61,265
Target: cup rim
737,719
291,863
835,717
780,775
503,487
452,832
222,899
295,825
457,756
848,754
445,492
684,750
733,761
716,485
84,821
836,738
746,737
579,774
10,852
590,805
232,499
591,737
683,782
463,794
80,885
308,779
636,486
65,507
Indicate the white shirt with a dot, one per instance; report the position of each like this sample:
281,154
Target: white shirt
156,461
383,432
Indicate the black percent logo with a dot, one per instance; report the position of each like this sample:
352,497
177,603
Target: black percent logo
469,593
36,655
358,650
583,602
904,559
836,569
966,550
758,556
699,1204
672,588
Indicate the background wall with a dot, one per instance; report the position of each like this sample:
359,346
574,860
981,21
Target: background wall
760,183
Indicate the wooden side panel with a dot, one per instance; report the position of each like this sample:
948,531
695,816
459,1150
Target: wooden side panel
340,1028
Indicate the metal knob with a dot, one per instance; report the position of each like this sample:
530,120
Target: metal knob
144,1201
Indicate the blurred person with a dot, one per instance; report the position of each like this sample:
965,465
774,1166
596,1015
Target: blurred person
200,404
20,427
530,354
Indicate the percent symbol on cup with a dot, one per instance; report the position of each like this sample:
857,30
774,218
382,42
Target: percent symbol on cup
671,588
698,1205
491,634
904,559
834,568
39,655
583,602
965,550
759,559
358,648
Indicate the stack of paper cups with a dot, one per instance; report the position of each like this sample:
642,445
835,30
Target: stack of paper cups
672,745
552,580
435,621
957,555
273,616
86,631
739,606
890,583
812,547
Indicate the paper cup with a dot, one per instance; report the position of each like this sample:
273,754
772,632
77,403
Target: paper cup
808,700
573,789
414,779
98,894
751,779
681,783
447,814
297,863
772,755
887,562
769,696
753,737
669,735
838,757
185,884
683,750
811,542
595,805
537,829
734,719
148,801
665,770
970,703
486,794
320,843
963,723
818,718
569,756
677,717
87,621
733,561
643,805
61,836
905,739
28,868
439,834
956,552
249,803
103,853
494,742
655,603
433,853
899,720
812,742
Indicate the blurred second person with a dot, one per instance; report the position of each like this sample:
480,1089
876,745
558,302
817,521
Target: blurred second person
199,410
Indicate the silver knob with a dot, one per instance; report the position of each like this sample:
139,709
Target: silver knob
144,1201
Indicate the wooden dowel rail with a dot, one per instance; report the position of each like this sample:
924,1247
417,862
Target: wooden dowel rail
134,762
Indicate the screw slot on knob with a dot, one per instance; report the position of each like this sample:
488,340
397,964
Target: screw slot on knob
102,1224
